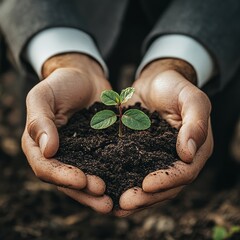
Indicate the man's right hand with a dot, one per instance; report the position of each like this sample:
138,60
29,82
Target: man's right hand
71,82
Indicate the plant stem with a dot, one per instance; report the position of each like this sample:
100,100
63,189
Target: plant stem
120,131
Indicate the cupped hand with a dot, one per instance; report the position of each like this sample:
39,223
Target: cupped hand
72,82
164,87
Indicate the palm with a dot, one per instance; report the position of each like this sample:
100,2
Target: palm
164,94
67,92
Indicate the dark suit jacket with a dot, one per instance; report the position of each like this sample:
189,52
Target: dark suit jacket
214,23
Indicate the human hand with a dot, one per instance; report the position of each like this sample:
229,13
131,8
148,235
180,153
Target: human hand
164,86
71,82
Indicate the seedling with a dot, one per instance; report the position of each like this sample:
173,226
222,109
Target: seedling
221,233
132,118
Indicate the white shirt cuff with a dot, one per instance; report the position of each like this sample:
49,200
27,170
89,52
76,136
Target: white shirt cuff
181,47
58,40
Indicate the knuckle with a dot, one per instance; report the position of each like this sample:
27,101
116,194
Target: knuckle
202,129
23,142
204,99
191,177
41,174
32,129
38,173
31,94
173,195
210,150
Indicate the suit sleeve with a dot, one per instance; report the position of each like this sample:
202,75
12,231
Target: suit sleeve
21,20
214,24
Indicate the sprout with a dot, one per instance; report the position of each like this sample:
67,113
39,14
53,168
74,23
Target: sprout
132,118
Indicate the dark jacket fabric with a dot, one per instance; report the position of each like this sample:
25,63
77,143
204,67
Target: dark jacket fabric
215,24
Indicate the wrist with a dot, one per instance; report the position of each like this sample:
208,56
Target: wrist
80,62
159,66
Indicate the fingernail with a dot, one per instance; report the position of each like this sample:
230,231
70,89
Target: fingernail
192,147
43,142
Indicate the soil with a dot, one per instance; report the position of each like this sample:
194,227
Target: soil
122,162
31,209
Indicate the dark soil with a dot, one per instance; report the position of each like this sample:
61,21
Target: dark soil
122,162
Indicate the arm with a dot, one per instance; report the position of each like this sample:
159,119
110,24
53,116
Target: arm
211,23
20,21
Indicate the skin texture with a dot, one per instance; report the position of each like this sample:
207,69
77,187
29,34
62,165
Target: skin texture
74,81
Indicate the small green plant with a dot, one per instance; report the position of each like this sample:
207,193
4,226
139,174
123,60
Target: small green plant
221,233
132,118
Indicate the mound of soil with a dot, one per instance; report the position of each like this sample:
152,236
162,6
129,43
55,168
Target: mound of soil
121,162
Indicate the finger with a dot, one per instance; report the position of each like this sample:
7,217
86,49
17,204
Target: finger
102,204
122,213
125,213
195,110
95,185
175,176
51,170
181,173
44,132
136,198
40,119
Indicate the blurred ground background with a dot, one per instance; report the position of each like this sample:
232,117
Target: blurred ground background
30,209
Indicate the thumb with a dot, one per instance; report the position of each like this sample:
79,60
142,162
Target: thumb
195,111
43,131
40,122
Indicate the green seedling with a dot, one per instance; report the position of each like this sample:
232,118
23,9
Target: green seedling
221,233
132,118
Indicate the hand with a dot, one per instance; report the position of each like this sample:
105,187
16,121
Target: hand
72,82
163,86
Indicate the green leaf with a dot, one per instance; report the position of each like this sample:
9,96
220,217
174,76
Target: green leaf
219,233
126,94
136,119
110,97
103,119
234,229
